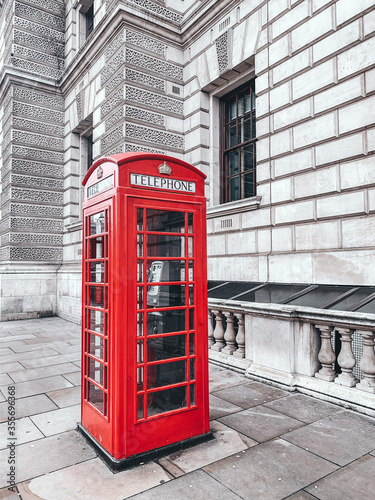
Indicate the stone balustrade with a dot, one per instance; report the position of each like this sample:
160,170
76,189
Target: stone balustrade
328,354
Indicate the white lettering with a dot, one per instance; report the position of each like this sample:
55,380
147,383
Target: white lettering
162,183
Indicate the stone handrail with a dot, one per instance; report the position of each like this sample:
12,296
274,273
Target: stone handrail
301,347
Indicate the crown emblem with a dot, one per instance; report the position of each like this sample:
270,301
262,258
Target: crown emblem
99,173
164,168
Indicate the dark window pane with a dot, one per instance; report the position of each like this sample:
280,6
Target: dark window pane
166,374
248,185
233,163
96,397
166,296
234,189
160,245
96,296
166,321
167,400
159,348
165,221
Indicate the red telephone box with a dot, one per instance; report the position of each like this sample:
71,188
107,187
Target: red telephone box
144,313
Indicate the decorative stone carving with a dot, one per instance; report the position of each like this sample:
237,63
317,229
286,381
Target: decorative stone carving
146,116
153,64
346,359
218,332
367,363
38,112
115,136
111,68
129,148
159,10
41,239
151,135
326,355
240,337
39,69
38,126
55,7
222,52
35,167
38,154
35,253
154,100
145,42
56,102
230,334
79,106
50,34
116,81
36,182
39,15
110,104
115,118
25,209
36,195
35,224
44,141
38,56
142,78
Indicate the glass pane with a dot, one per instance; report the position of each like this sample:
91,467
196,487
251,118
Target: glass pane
232,139
192,343
96,346
190,223
96,296
192,395
320,296
140,271
167,400
96,371
96,223
140,304
140,245
245,129
166,296
167,270
96,321
233,189
160,245
140,407
240,105
190,247
233,165
191,319
253,125
248,185
173,346
166,374
139,219
96,248
165,221
96,396
140,351
192,369
252,99
246,103
191,295
96,272
230,110
139,325
166,321
247,157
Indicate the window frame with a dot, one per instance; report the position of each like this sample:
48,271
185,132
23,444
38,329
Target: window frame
238,146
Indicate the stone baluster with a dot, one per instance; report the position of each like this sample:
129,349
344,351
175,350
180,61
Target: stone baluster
218,332
367,363
210,330
230,334
240,338
346,359
326,355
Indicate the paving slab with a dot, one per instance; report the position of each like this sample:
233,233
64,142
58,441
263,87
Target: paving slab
356,480
25,432
193,486
270,471
250,394
220,408
28,406
46,455
74,378
66,397
226,442
32,356
56,421
92,480
50,360
261,423
221,379
5,351
37,346
10,367
301,495
304,408
46,371
5,379
39,386
340,438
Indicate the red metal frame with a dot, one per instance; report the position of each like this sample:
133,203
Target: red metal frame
138,414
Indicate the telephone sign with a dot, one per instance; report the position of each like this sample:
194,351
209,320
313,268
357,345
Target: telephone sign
144,312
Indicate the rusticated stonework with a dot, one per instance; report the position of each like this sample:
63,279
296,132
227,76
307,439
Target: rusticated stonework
153,64
154,100
146,134
145,42
222,52
144,115
143,79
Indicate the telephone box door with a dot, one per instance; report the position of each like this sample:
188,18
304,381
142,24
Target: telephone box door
166,359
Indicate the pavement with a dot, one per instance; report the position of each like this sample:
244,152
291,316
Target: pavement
268,443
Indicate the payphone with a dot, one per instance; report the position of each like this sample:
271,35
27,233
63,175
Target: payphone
144,312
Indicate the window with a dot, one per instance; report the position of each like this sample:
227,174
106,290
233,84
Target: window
86,19
90,20
238,143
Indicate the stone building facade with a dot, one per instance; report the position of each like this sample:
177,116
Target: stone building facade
272,99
